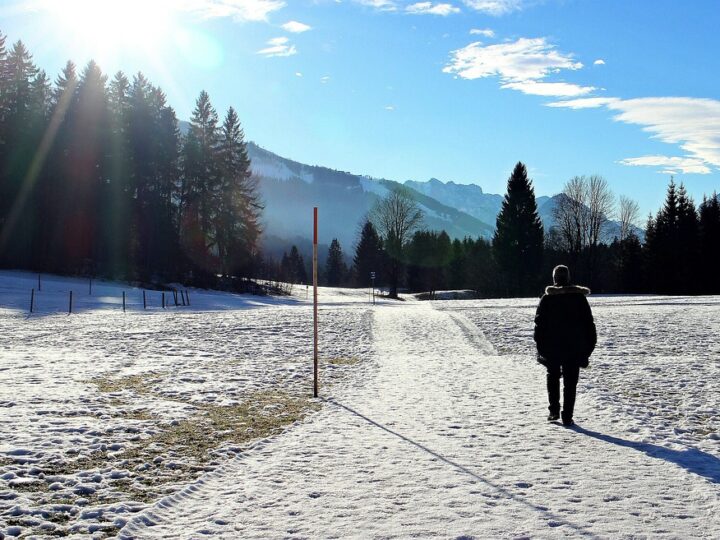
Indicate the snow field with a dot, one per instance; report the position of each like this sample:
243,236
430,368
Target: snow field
86,399
443,436
432,422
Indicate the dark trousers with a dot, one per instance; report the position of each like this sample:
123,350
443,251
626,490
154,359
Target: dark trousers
570,374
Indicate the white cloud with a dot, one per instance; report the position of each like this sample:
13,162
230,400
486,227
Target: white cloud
296,27
599,62
382,5
555,89
240,10
520,65
670,165
691,123
279,46
325,79
584,103
298,74
495,7
389,107
487,32
428,8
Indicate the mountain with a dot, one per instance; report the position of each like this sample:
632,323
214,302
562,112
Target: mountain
290,190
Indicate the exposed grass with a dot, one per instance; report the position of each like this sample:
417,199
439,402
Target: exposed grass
140,384
262,415
343,361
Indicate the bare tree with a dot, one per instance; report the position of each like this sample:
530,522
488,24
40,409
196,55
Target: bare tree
601,204
628,213
571,215
396,217
581,213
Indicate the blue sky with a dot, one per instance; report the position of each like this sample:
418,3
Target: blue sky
455,89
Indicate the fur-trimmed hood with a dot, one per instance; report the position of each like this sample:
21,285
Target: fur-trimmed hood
567,289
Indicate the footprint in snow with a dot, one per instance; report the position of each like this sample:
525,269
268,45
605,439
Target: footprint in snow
523,485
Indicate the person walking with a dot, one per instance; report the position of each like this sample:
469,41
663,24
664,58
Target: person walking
565,336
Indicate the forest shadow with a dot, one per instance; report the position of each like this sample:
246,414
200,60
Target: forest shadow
691,459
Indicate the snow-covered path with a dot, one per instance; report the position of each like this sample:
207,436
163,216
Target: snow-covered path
440,436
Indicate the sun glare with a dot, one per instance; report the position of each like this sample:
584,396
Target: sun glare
113,27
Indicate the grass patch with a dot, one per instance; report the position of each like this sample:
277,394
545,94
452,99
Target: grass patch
343,361
140,384
262,415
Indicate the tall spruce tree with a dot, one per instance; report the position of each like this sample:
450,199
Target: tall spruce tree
369,256
709,245
335,267
518,240
662,245
688,247
200,181
237,219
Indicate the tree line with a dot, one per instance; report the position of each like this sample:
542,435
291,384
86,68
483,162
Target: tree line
680,254
96,178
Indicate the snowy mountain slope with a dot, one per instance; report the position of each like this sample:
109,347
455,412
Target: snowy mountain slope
290,190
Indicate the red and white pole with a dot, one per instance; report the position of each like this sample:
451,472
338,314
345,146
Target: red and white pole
315,302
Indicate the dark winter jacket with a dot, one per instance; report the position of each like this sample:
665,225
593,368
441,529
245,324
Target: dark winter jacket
564,326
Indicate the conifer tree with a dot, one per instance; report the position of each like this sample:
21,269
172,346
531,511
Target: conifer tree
518,240
237,220
368,256
709,245
200,180
687,238
335,268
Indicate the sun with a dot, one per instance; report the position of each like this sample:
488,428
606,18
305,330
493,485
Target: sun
112,27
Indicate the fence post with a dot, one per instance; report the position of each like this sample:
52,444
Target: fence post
123,301
163,299
32,300
39,286
90,287
175,296
182,297
144,300
70,304
187,295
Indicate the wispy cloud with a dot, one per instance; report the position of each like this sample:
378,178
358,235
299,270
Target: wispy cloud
296,27
521,65
691,123
382,5
239,10
486,32
389,107
584,103
599,62
325,79
555,89
670,165
279,46
428,8
495,7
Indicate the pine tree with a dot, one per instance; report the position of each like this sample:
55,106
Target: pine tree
687,237
709,245
200,181
237,221
518,240
335,268
368,257
292,267
662,247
